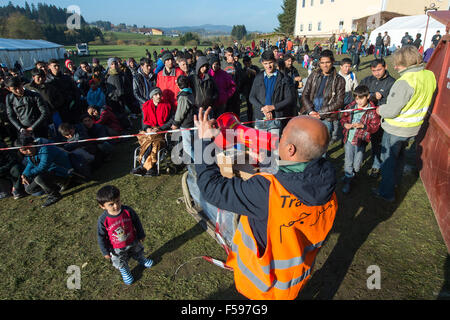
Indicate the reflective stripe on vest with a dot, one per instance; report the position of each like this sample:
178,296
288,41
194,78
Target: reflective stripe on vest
295,232
412,115
274,264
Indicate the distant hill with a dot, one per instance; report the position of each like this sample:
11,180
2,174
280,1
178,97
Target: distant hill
205,29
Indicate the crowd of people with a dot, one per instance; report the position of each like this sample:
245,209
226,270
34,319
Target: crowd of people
73,103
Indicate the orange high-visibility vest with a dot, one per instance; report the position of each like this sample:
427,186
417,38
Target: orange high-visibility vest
295,232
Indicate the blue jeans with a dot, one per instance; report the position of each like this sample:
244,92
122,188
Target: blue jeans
393,157
376,140
329,125
273,126
188,139
354,156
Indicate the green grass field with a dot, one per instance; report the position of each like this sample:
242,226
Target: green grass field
38,245
103,53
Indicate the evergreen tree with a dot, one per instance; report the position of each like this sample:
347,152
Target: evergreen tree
239,32
287,17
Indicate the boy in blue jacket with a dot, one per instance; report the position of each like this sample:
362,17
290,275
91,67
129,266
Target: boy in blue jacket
47,169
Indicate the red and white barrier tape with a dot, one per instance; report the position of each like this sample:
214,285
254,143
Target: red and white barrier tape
163,132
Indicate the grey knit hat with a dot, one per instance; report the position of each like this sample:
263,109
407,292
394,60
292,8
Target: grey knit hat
155,91
110,61
167,56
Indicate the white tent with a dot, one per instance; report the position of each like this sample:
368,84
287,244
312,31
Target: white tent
397,27
28,52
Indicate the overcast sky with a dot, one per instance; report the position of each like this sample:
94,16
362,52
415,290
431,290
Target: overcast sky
256,15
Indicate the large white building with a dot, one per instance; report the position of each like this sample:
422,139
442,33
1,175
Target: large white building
324,17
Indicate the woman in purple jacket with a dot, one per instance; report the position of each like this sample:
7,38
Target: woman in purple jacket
224,83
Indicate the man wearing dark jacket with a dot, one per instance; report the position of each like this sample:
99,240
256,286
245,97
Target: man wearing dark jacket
407,40
379,84
250,72
324,91
378,53
143,81
306,179
82,76
71,107
116,83
271,96
49,93
204,88
26,110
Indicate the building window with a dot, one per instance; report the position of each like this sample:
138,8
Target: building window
310,26
312,3
303,3
341,25
332,0
301,28
319,26
321,1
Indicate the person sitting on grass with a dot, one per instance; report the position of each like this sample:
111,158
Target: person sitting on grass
106,117
73,133
120,233
95,95
47,169
358,127
94,131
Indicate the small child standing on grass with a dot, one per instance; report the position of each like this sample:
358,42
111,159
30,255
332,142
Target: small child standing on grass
184,116
358,127
120,233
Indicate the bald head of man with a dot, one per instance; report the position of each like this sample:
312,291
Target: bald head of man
304,139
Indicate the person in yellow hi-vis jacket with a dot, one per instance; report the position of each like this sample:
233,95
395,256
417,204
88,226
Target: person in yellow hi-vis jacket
285,216
403,115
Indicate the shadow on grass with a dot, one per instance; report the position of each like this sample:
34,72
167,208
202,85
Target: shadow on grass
170,246
444,294
227,294
359,214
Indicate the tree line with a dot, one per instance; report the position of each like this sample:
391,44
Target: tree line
43,21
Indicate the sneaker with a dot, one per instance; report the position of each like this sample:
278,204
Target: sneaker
346,187
374,173
377,194
17,194
51,200
152,172
126,275
66,185
139,171
147,263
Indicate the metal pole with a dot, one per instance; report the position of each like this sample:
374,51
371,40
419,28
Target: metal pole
426,31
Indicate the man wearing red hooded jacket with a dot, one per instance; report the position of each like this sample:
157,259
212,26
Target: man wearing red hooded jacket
167,79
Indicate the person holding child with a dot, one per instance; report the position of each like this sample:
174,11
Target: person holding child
120,233
358,127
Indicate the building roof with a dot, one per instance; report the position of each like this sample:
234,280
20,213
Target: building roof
22,44
442,16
